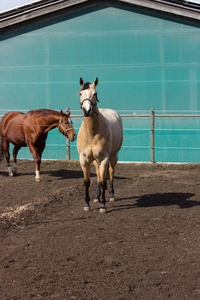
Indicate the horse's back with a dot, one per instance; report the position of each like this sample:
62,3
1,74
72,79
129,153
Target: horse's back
114,122
111,115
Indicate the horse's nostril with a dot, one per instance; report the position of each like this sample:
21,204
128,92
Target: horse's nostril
72,138
87,110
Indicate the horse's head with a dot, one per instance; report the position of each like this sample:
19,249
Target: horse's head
88,97
65,126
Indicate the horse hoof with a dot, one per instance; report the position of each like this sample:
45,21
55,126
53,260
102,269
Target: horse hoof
96,201
11,174
38,179
102,210
86,208
15,169
112,199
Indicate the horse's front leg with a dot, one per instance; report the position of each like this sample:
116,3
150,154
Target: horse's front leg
15,151
98,190
112,163
37,161
40,149
103,183
86,173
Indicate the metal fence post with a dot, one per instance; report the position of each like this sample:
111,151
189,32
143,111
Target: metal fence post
68,141
152,135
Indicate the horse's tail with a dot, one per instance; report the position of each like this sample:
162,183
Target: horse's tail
2,154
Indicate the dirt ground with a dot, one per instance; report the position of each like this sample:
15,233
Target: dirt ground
147,246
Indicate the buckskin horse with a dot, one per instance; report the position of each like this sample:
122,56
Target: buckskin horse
99,140
31,129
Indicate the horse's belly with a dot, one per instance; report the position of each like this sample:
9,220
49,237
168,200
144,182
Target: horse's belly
114,123
15,137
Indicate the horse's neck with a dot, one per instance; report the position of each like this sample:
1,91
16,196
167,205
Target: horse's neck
54,119
50,121
91,125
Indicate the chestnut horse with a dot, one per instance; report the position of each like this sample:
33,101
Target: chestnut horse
99,140
31,129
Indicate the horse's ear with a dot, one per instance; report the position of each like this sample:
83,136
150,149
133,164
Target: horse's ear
81,82
61,112
95,82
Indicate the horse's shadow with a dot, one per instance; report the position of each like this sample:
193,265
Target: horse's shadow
59,174
65,174
159,199
167,199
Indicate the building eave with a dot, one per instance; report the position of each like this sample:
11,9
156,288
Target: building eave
175,9
48,7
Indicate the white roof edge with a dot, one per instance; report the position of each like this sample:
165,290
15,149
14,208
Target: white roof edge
18,6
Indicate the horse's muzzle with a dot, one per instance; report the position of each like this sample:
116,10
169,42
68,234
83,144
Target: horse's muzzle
87,113
72,138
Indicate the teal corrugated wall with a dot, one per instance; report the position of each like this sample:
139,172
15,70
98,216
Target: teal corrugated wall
142,61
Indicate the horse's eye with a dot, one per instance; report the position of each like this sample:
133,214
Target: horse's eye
80,94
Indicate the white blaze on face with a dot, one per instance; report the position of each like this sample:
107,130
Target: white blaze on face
87,103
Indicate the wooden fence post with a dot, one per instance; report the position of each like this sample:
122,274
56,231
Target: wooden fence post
152,135
68,141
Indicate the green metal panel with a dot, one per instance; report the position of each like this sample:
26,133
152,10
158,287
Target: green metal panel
177,139
142,61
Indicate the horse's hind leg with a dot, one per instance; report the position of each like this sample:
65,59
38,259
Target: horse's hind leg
98,193
103,183
111,189
2,154
5,145
15,151
112,163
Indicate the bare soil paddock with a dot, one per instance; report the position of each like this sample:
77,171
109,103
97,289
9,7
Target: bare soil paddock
147,246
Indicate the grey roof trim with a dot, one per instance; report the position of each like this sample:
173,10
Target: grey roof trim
37,9
45,7
179,10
